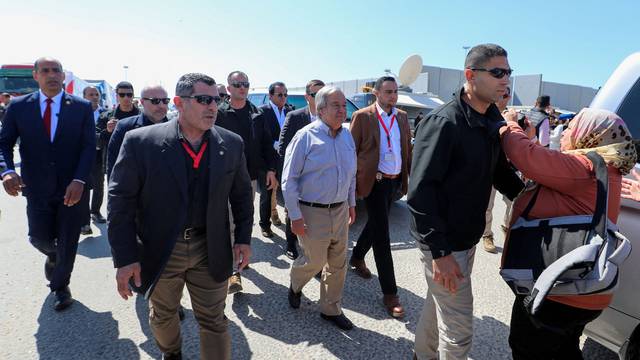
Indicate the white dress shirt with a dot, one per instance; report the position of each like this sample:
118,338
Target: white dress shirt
55,110
390,158
280,115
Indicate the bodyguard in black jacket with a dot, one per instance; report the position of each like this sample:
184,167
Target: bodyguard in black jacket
456,159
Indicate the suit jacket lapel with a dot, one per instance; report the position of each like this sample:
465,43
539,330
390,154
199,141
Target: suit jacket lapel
65,102
172,151
217,155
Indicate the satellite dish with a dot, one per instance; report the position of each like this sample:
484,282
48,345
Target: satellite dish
410,70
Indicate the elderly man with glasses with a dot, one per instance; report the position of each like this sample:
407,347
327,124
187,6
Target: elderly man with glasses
243,118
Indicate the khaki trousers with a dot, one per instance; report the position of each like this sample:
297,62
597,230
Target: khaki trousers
188,265
445,328
489,214
324,246
274,202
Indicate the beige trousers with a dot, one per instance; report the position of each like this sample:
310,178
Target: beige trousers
274,202
324,246
188,265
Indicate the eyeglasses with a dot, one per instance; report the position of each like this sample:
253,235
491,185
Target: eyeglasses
284,95
497,73
156,101
239,84
122,95
204,99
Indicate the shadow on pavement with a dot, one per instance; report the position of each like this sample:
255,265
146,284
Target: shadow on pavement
269,314
190,335
95,247
80,333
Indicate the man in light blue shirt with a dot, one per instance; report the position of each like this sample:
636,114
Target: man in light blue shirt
318,184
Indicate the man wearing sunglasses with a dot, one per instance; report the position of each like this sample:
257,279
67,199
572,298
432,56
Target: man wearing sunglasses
107,122
294,121
155,104
243,118
457,157
274,115
168,217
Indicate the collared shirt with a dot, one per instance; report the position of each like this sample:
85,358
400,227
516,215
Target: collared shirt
197,182
390,158
96,115
319,168
280,115
55,110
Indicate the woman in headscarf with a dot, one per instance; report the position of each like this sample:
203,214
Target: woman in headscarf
567,184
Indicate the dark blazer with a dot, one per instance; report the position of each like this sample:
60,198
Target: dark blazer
271,120
295,120
47,168
148,200
122,127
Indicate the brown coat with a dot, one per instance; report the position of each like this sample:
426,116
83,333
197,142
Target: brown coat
365,130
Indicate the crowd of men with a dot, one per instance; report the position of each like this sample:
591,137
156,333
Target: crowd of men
180,193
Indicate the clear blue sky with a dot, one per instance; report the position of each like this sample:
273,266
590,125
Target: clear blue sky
575,42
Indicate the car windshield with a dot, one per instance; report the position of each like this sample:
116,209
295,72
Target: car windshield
18,85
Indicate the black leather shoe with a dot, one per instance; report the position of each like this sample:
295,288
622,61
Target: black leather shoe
86,230
172,356
267,233
98,218
294,299
63,299
340,321
292,253
49,265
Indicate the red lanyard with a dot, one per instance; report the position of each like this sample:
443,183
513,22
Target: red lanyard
387,131
195,157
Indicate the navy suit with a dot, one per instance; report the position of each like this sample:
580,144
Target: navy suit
47,168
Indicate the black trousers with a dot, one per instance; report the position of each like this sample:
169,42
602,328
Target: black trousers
92,204
265,201
554,333
54,229
376,233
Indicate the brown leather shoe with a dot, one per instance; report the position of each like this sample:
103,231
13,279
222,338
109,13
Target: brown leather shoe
360,268
392,304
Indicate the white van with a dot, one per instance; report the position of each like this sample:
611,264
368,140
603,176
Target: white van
618,328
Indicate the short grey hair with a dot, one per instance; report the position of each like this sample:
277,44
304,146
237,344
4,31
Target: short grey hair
323,94
146,89
185,84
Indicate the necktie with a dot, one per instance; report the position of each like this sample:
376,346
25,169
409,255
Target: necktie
47,118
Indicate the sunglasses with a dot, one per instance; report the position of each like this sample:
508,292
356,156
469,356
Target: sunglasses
281,95
156,101
122,95
204,99
497,73
239,84
313,95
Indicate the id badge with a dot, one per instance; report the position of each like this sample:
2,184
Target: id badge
388,156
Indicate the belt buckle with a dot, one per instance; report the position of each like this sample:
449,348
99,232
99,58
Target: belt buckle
378,176
187,233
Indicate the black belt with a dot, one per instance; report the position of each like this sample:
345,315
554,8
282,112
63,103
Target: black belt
323,206
193,232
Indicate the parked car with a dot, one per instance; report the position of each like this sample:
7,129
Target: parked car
618,328
295,99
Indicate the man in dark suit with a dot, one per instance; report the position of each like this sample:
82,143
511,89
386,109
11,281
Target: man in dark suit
155,104
57,151
169,222
92,204
294,121
274,115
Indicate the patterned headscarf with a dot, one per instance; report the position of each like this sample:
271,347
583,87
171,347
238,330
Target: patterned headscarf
607,134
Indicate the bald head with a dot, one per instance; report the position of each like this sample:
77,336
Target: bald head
46,59
153,100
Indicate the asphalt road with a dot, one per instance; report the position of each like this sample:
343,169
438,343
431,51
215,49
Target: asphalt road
100,325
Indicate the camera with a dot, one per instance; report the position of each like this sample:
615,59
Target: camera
521,120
